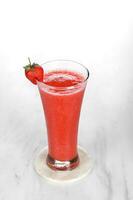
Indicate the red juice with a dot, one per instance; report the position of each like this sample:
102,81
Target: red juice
62,93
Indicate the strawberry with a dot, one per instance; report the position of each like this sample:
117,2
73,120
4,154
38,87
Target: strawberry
34,72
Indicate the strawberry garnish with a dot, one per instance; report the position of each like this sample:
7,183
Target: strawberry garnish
34,72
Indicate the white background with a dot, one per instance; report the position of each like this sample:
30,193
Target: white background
88,31
97,33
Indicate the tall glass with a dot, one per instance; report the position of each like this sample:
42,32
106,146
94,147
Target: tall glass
62,107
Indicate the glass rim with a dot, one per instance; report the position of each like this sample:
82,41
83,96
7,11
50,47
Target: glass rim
65,87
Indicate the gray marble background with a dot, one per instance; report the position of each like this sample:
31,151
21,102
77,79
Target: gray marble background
98,34
105,132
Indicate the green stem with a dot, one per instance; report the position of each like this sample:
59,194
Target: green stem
29,61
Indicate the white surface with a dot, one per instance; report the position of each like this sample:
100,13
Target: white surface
97,34
105,132
62,177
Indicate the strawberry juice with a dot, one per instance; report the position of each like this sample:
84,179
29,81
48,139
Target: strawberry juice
62,93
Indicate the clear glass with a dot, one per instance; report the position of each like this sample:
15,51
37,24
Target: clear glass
62,106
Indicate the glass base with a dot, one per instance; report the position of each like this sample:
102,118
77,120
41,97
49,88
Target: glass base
84,167
62,165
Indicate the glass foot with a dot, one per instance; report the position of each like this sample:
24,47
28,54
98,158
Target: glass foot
62,165
84,167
